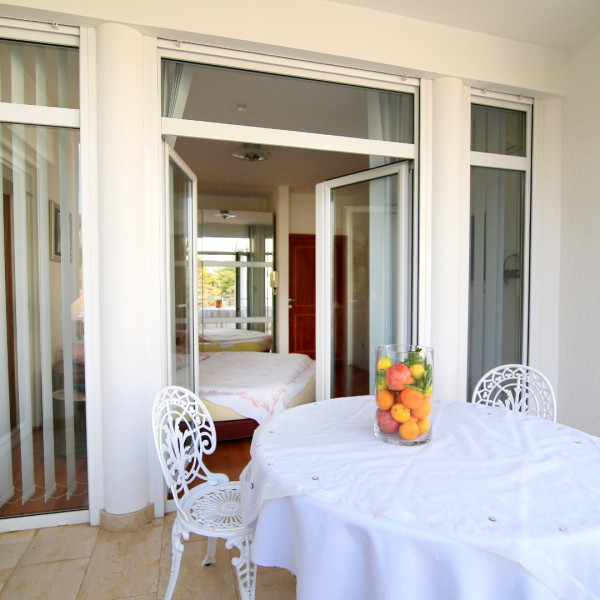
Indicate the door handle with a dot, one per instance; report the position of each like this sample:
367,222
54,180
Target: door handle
290,300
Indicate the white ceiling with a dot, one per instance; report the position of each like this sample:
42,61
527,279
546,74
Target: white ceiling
553,23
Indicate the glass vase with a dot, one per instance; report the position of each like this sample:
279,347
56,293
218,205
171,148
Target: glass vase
403,388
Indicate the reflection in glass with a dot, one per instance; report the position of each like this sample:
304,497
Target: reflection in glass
498,130
208,93
38,74
43,464
369,231
235,259
181,235
496,270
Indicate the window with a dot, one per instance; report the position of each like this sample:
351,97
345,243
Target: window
235,259
310,105
498,292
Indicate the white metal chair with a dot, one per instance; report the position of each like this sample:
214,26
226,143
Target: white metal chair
183,433
517,387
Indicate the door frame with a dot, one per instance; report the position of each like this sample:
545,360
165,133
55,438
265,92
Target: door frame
324,253
171,156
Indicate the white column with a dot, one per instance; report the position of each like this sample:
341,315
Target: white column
123,296
450,237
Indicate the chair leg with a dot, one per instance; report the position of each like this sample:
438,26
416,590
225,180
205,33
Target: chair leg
177,551
211,552
244,567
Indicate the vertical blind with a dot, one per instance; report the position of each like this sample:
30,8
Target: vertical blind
42,386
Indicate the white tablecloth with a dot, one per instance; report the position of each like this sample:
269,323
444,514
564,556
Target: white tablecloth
494,488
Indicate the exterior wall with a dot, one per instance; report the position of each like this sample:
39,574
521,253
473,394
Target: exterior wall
342,34
579,381
315,29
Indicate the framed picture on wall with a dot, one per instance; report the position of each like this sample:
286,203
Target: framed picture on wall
55,235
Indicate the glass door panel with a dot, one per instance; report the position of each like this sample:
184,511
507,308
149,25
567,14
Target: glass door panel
496,270
369,298
43,458
182,261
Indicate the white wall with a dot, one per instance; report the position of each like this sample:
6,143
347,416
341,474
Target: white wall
302,213
579,378
346,35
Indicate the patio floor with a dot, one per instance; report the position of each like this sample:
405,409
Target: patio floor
79,562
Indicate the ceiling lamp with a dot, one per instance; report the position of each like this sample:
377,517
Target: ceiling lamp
251,153
225,214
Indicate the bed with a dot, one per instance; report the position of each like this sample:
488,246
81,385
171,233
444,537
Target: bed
243,389
234,340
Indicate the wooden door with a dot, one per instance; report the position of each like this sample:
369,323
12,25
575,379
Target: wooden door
302,294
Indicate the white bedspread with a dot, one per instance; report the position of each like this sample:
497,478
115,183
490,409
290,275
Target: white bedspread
254,384
226,338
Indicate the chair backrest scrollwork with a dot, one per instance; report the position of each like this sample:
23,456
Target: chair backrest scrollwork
183,432
517,387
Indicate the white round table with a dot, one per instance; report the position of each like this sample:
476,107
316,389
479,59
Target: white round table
499,505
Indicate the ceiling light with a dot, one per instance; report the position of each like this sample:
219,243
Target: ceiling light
225,214
251,153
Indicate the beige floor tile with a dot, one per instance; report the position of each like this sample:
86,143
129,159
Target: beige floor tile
124,564
4,575
12,547
46,581
275,584
60,543
215,581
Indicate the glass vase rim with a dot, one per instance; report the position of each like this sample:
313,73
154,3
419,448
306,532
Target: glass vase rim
405,347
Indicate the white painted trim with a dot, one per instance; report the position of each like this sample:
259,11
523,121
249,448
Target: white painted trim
236,263
323,296
544,288
281,265
281,137
424,203
464,247
279,65
237,320
39,115
499,161
501,99
88,177
32,31
74,517
156,250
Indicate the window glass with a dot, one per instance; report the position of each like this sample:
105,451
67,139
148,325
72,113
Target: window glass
498,130
496,269
239,97
39,74
42,364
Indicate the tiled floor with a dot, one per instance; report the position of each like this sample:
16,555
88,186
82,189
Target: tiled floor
79,562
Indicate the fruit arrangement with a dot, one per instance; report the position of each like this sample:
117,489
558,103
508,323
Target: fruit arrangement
403,395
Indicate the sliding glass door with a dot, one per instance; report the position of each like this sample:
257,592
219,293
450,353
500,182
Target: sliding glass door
365,253
43,464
